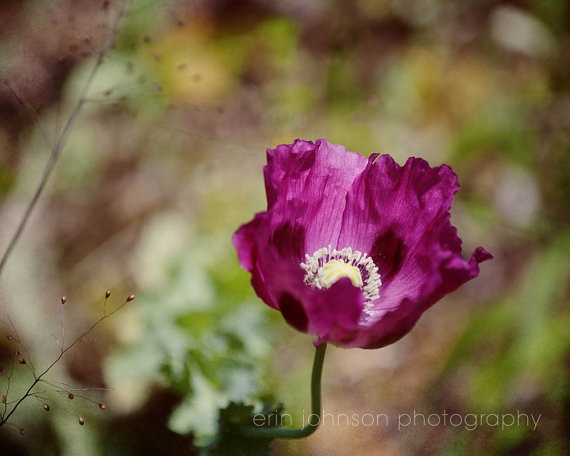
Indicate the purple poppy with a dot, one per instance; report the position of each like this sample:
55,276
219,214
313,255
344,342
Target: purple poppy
350,249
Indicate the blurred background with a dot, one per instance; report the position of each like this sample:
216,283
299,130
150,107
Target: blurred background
163,163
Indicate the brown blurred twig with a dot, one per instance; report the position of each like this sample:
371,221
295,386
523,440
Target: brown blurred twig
62,137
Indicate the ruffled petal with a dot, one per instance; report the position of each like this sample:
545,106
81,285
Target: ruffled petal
331,314
306,188
400,215
389,207
408,305
246,242
397,213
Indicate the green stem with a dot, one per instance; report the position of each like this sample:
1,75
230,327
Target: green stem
314,418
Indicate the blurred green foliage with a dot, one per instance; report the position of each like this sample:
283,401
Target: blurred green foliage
202,333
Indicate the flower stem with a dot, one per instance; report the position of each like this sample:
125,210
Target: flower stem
314,418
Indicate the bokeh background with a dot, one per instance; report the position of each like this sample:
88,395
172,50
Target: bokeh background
163,162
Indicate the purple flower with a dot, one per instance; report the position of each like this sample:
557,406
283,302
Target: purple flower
350,249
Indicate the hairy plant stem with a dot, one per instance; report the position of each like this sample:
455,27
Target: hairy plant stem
314,418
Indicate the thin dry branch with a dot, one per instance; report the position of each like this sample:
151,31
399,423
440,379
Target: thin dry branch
6,415
62,137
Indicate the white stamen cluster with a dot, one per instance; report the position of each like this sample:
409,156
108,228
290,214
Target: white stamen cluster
371,282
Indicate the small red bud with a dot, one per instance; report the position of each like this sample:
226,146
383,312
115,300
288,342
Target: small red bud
22,431
3,399
10,337
81,421
107,294
130,297
46,407
22,361
63,299
70,396
102,406
2,370
16,352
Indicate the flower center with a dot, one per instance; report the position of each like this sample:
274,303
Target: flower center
335,270
327,266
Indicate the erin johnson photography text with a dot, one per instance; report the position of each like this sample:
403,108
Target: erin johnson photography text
402,421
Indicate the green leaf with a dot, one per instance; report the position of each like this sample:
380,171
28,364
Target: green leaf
237,416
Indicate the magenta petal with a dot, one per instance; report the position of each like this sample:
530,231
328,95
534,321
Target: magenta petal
404,302
402,203
400,215
330,314
244,241
306,188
